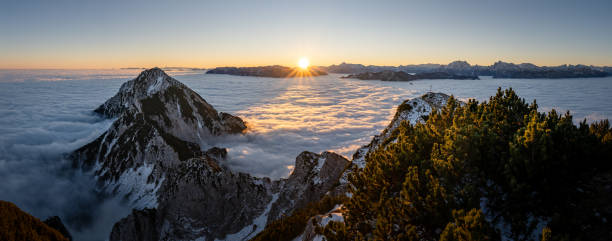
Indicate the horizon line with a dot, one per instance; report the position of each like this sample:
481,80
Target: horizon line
343,62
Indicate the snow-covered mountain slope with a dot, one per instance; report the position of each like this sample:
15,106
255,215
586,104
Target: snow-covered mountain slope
151,155
322,220
160,122
201,199
170,105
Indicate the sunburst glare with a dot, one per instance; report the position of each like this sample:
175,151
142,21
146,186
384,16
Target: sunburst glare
303,63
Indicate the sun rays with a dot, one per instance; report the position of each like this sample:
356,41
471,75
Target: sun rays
304,70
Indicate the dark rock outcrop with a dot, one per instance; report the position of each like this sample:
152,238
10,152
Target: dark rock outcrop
313,176
56,223
141,225
275,71
201,198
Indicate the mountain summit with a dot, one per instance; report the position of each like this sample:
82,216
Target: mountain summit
160,122
170,104
152,156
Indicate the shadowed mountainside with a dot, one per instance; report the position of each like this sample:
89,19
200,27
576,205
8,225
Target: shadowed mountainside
152,156
17,225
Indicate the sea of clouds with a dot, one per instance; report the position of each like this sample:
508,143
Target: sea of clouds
46,114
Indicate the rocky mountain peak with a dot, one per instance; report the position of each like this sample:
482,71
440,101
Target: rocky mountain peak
459,64
152,81
147,83
202,199
160,122
152,156
170,105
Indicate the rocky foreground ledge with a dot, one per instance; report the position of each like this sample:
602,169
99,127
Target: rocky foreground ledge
412,111
274,71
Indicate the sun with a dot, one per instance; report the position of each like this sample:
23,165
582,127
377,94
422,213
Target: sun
304,63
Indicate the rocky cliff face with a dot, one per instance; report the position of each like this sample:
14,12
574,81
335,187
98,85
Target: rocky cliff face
413,110
313,176
170,105
202,199
56,223
160,122
151,155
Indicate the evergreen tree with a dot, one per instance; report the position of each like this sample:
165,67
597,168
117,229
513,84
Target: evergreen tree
502,160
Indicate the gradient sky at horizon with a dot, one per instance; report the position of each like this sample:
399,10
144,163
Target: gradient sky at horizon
115,34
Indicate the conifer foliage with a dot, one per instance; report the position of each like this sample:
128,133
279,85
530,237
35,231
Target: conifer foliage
483,171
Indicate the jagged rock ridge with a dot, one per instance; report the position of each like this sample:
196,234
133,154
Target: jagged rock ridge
160,122
413,111
151,155
389,75
203,199
497,70
56,223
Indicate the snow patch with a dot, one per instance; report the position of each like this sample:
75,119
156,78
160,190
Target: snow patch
110,146
258,225
133,184
334,215
155,87
317,170
258,181
360,161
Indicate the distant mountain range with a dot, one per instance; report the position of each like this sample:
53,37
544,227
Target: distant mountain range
497,70
389,75
274,71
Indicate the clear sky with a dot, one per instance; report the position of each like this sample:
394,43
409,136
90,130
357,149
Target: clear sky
113,34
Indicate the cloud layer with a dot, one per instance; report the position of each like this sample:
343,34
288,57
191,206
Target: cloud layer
41,120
